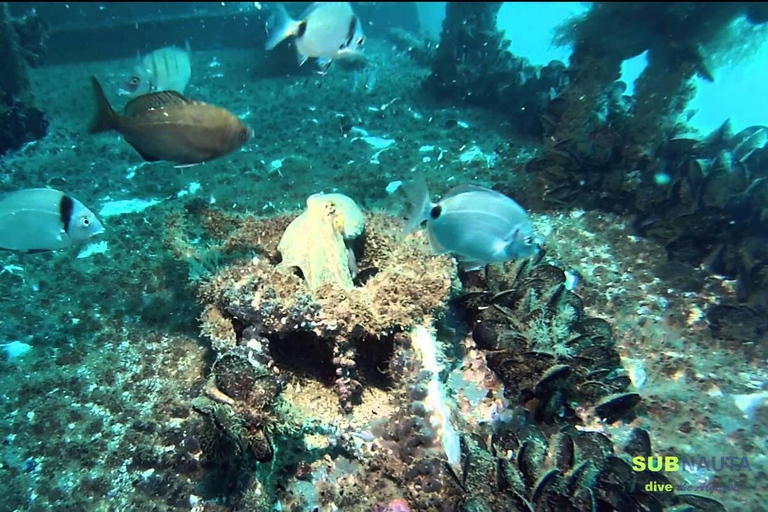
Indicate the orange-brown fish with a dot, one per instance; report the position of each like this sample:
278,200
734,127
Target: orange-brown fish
167,126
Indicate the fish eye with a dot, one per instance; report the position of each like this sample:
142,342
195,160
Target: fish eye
85,222
134,80
528,240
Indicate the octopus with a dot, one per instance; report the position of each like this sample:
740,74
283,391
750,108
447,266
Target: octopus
317,241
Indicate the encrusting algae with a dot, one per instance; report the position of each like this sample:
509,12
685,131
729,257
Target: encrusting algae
323,314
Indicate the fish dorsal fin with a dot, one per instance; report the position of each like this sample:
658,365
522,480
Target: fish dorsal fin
309,10
162,99
460,189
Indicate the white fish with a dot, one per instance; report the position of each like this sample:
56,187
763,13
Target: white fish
43,219
476,224
166,69
325,31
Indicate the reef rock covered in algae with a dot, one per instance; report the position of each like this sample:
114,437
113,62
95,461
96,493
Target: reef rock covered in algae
325,315
475,64
532,376
20,121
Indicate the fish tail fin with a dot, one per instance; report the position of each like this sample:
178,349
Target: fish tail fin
417,193
106,117
284,27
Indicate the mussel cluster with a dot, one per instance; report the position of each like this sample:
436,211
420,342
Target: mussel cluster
587,166
235,411
570,470
420,49
703,200
474,63
550,356
714,210
714,214
20,124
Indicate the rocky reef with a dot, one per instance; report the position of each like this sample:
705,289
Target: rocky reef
333,301
474,64
632,155
22,41
320,316
700,198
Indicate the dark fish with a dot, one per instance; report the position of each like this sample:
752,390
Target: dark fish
43,219
168,126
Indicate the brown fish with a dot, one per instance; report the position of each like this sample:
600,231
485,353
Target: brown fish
167,126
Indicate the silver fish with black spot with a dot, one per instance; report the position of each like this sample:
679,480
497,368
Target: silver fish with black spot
43,219
325,31
476,224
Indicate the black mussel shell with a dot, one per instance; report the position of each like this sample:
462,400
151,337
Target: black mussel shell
486,335
700,503
614,407
364,275
675,149
639,443
594,446
530,462
564,452
548,480
552,378
235,376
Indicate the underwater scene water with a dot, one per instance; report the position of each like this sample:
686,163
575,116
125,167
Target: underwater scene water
383,257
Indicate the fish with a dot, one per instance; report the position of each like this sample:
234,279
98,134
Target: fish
166,126
325,31
166,69
38,220
476,224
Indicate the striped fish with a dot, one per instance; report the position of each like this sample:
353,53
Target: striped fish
166,69
326,31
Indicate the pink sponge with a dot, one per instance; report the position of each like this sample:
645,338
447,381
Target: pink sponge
398,505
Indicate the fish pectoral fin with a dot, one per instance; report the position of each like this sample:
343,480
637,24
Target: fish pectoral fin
437,248
301,58
146,157
323,65
469,264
